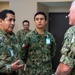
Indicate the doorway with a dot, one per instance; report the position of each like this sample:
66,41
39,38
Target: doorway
58,24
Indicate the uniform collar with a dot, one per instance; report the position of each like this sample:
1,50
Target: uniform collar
3,32
45,33
38,33
6,32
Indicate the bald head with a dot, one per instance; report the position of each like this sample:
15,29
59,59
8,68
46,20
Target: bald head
73,3
71,14
73,6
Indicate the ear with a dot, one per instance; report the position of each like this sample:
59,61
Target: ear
46,22
0,21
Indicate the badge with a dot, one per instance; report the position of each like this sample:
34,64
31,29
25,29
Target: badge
11,51
24,46
47,40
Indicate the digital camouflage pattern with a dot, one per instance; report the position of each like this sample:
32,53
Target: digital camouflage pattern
8,52
20,35
37,53
68,49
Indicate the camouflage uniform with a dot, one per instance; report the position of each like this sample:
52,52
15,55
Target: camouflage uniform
68,49
8,52
20,35
37,53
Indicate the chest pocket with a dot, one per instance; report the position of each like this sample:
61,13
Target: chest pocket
5,47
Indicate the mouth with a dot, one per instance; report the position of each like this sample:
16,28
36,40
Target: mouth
12,26
39,24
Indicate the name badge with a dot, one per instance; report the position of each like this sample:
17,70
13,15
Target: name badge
11,51
47,40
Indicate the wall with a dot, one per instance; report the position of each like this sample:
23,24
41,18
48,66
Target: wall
59,9
4,5
25,9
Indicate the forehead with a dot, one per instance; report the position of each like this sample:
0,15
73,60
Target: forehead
9,15
72,6
39,16
25,23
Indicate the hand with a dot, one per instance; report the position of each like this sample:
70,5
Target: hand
16,65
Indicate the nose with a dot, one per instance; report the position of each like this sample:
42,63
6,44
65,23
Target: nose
13,22
39,20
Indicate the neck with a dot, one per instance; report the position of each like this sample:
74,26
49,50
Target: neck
26,30
40,31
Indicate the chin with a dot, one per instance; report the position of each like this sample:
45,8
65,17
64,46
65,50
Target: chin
39,27
10,31
70,23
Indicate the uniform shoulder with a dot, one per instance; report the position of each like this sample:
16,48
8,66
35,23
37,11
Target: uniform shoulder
49,33
70,30
30,33
1,33
2,36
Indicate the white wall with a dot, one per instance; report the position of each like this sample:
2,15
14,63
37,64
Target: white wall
25,9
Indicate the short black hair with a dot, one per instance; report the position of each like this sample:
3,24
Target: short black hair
3,13
25,21
42,13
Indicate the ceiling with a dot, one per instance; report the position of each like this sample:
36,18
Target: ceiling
56,3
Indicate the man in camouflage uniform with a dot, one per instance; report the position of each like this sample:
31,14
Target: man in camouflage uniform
38,48
67,60
21,33
9,61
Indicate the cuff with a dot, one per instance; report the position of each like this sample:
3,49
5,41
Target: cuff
8,68
67,60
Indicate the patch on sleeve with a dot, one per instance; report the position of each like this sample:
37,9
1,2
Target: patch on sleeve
24,46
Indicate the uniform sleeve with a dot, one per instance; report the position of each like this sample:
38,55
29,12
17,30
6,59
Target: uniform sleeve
25,48
68,50
4,67
53,47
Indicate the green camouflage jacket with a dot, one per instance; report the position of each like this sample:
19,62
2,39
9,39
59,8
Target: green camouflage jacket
8,51
68,48
20,35
37,52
